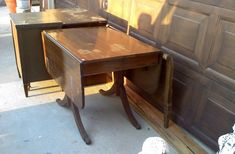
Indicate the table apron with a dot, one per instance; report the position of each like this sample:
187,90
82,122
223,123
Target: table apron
119,64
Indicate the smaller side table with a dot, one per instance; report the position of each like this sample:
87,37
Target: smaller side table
26,34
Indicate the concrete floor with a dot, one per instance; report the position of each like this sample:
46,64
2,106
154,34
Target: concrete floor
38,125
8,71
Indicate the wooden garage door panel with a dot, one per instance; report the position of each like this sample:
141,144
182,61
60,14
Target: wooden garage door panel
179,32
228,4
116,8
182,95
228,57
144,15
222,55
207,118
120,8
185,32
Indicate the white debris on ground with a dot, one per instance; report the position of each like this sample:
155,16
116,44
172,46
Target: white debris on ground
227,143
154,145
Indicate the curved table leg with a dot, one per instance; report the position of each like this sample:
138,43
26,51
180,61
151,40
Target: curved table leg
119,89
127,108
109,92
80,126
65,102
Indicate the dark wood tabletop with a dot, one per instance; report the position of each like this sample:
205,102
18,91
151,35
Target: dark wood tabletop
99,44
72,17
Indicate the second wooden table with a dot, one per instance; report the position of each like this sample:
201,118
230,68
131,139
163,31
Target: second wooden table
27,28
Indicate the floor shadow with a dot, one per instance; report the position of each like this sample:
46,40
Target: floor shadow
49,128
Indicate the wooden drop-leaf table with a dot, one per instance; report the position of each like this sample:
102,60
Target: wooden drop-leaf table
73,54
